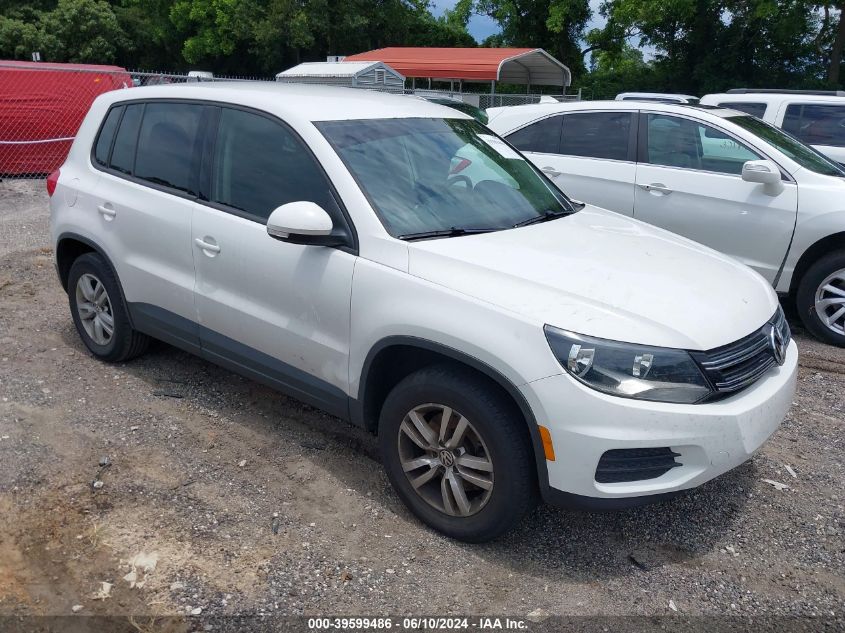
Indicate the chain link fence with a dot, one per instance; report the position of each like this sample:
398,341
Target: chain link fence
43,105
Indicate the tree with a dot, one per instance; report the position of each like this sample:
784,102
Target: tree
71,31
554,25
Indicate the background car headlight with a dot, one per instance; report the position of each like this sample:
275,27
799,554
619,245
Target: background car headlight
659,374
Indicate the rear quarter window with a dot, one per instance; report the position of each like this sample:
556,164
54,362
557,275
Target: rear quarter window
123,153
105,138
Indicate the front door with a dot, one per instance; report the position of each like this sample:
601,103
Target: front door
689,182
276,311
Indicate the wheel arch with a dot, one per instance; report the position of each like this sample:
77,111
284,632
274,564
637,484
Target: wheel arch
69,247
395,357
816,251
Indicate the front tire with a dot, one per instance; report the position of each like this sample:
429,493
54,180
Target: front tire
457,453
99,312
821,299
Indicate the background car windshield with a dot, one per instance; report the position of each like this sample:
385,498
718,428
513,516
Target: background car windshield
438,174
796,150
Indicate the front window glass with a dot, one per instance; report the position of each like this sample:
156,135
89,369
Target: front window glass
677,142
802,154
259,165
816,124
441,174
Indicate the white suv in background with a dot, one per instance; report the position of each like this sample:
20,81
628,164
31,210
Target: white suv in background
816,118
501,340
720,177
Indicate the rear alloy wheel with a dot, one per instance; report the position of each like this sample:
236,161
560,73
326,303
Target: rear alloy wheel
458,452
99,312
821,299
94,309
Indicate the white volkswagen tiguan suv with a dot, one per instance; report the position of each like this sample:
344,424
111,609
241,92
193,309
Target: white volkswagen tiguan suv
502,340
719,177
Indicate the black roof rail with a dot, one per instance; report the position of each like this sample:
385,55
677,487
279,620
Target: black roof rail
824,93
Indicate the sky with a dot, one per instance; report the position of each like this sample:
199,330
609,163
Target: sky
482,27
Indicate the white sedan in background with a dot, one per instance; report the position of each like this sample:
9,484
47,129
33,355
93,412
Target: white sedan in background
720,177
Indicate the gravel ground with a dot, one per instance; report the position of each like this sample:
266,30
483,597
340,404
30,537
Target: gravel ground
238,500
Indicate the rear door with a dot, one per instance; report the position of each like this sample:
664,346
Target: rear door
589,155
689,182
144,201
276,311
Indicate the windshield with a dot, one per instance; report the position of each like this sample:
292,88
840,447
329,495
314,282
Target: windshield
796,150
442,175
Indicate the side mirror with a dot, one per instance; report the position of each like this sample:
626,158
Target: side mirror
764,172
302,222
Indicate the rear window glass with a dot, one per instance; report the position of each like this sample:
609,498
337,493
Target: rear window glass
816,124
754,109
542,136
596,135
104,140
166,144
123,154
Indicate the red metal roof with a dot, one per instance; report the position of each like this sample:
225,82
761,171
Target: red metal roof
516,65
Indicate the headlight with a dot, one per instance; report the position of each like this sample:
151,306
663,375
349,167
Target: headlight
632,371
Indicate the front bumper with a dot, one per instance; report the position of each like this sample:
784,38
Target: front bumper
710,438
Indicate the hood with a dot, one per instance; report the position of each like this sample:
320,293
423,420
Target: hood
602,274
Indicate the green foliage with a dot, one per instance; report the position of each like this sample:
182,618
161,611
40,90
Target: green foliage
554,25
694,46
705,46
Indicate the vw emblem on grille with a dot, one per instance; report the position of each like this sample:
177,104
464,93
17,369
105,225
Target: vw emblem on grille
778,344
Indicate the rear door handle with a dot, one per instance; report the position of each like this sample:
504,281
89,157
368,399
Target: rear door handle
207,246
106,211
657,187
551,172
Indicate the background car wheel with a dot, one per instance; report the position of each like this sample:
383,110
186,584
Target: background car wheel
458,453
821,299
99,313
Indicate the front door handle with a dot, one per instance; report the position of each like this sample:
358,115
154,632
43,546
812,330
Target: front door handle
657,188
209,248
551,172
106,211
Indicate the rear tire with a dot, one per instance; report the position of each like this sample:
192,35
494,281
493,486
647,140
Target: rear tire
820,299
99,312
470,471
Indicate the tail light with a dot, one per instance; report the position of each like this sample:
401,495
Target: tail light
52,181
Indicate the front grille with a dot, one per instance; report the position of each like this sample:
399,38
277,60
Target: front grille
738,365
635,464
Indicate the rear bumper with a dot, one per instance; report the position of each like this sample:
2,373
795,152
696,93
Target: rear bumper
709,438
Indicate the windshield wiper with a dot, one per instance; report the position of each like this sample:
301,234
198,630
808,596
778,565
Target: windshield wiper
545,217
455,231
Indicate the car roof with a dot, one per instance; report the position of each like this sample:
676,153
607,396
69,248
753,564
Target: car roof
506,119
660,95
299,101
771,97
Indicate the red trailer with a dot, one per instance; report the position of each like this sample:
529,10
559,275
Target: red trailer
41,108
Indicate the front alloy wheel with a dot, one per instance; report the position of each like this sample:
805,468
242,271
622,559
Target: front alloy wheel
445,460
458,452
830,302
